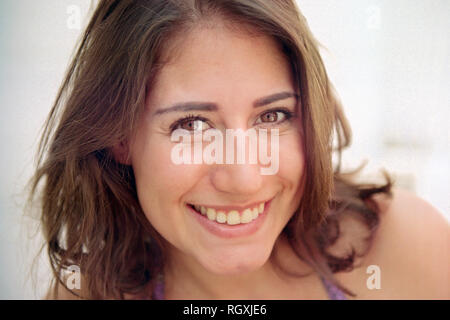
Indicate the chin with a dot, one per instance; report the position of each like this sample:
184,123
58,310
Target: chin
236,263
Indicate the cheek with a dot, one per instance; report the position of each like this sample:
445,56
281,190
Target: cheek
291,160
155,170
291,172
161,184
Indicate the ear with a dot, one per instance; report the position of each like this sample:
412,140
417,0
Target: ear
121,152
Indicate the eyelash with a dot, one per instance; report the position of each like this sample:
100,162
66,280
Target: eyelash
287,113
192,117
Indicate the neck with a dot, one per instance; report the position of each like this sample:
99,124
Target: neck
184,276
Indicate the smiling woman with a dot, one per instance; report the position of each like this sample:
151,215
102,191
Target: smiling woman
142,226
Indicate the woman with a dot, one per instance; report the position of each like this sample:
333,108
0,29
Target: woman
141,226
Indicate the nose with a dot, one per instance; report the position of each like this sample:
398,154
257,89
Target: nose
237,179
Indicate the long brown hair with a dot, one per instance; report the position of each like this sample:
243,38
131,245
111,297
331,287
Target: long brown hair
90,212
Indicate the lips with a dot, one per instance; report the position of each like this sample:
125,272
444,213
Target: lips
233,216
225,223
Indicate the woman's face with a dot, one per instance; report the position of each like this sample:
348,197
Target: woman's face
244,212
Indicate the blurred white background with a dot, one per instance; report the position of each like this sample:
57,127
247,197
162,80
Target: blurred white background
388,59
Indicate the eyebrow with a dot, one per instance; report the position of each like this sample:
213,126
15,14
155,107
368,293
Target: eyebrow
211,106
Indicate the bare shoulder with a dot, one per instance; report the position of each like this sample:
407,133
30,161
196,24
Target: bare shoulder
74,289
410,251
63,293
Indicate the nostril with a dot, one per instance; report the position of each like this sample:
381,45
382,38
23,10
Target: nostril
237,179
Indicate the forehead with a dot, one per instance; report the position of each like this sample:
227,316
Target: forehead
218,63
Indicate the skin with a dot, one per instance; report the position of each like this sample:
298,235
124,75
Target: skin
411,247
219,65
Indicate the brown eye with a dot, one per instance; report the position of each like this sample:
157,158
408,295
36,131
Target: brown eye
193,125
269,117
272,116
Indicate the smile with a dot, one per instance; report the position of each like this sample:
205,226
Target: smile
230,221
231,217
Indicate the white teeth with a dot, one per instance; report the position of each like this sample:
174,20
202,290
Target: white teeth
255,213
221,217
233,217
261,208
211,213
246,216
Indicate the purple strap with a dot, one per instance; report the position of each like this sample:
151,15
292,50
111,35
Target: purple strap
158,291
333,292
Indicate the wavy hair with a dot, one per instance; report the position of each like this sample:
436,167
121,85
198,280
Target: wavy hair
89,209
